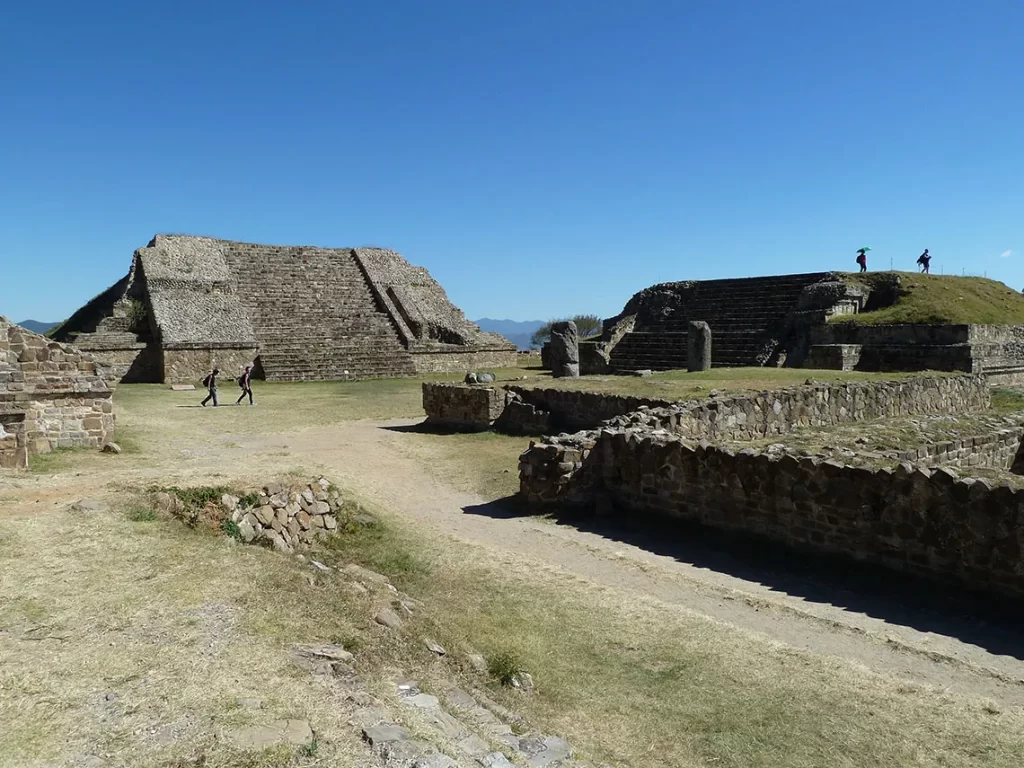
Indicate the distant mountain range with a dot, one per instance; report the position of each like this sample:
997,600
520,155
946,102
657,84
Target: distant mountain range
36,326
518,332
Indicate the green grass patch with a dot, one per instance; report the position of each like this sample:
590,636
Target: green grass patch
195,497
376,545
1007,400
141,513
686,385
939,299
56,460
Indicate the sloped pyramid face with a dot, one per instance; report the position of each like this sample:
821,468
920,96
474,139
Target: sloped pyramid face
301,312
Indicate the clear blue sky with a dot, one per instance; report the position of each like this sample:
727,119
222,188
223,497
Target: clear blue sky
540,157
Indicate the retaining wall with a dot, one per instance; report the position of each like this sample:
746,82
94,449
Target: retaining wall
929,522
745,417
524,410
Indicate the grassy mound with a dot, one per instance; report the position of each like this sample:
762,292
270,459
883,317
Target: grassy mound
935,299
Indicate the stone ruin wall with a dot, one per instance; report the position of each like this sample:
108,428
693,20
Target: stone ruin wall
734,417
523,410
996,350
913,516
284,517
51,396
926,521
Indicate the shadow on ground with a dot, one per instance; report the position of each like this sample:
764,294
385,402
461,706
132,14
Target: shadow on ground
987,621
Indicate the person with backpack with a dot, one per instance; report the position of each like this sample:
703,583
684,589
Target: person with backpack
924,260
245,382
862,259
210,382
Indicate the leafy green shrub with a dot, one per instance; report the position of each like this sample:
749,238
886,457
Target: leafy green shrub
249,499
504,667
230,527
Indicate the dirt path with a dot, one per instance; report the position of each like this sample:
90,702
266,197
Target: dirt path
381,465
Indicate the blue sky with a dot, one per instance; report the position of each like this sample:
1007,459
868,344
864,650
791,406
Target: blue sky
539,157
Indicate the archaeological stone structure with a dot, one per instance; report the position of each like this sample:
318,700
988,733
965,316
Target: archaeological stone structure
784,320
51,396
947,509
300,313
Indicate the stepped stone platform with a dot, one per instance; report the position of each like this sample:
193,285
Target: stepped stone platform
784,320
750,318
298,312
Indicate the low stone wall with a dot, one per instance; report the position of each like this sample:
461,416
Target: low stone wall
817,405
524,410
903,347
461,406
284,517
997,450
190,366
576,409
456,361
929,522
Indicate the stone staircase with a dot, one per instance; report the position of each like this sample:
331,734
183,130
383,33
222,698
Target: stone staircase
747,318
332,330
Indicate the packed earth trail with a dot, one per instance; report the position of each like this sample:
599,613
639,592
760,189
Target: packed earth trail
375,459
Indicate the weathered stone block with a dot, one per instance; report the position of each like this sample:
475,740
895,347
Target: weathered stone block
698,346
564,352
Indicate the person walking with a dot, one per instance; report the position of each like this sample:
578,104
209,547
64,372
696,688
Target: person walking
924,260
245,382
862,259
210,382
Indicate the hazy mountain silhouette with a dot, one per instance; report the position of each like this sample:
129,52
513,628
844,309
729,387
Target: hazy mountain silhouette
516,331
36,326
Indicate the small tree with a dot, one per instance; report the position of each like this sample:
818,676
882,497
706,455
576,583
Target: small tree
586,326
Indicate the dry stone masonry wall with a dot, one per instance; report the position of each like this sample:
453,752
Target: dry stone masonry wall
524,410
779,412
284,517
915,517
51,396
928,521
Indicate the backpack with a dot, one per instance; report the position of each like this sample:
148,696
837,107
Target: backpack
241,381
206,381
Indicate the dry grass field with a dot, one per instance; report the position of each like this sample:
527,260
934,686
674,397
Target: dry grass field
127,639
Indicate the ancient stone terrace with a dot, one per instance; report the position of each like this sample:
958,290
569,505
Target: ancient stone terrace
299,312
942,498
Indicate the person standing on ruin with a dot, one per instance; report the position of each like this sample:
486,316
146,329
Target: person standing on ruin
245,382
862,259
210,382
924,260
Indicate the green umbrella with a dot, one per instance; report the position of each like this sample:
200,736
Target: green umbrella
863,250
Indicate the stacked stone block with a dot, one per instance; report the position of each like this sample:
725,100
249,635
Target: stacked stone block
287,517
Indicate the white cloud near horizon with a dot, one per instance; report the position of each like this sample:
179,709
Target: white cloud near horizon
1006,254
